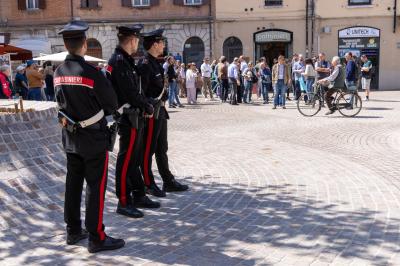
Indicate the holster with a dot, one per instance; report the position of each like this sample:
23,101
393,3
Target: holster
157,108
112,136
133,116
70,126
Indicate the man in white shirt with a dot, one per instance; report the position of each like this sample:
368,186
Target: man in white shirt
206,71
243,67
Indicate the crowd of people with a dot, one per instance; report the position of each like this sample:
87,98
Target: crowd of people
31,82
236,82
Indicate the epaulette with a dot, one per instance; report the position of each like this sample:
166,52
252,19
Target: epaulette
119,57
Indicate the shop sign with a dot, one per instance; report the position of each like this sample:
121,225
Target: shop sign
359,32
273,36
359,43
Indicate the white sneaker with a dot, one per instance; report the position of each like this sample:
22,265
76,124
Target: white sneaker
206,100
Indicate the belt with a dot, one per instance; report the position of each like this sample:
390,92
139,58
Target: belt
121,109
93,120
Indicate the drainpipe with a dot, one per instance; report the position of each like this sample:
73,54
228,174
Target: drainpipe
72,9
307,29
210,27
312,25
395,16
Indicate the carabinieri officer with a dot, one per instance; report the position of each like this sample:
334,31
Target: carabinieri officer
133,107
156,142
84,97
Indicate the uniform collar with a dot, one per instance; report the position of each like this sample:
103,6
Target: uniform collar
75,57
120,50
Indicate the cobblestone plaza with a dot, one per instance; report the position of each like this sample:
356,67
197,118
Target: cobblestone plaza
268,187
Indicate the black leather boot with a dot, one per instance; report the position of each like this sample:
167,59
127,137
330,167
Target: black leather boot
154,190
145,202
108,243
174,186
129,211
72,239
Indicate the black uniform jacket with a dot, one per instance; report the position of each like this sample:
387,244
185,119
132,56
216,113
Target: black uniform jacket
81,92
122,72
152,75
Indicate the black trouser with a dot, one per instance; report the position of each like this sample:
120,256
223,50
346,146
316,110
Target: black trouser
240,90
329,98
94,170
224,89
156,142
128,178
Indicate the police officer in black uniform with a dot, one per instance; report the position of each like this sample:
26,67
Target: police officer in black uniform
152,77
84,97
133,106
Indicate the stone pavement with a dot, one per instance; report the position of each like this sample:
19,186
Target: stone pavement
268,187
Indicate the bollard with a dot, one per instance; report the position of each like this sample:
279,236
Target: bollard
21,104
16,108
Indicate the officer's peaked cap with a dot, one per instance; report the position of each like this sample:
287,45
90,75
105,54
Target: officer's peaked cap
74,29
130,30
156,35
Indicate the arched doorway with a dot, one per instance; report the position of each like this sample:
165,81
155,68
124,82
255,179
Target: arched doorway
193,51
94,48
232,48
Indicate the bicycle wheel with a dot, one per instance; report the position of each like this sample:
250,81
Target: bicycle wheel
309,104
349,104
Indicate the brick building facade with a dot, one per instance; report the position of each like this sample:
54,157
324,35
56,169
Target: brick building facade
33,24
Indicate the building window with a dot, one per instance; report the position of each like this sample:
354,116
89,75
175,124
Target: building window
140,2
193,2
193,51
32,4
273,2
360,2
232,48
89,3
94,48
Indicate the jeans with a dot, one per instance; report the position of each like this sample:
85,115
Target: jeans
280,90
264,91
351,87
172,92
247,91
224,89
297,90
35,94
309,86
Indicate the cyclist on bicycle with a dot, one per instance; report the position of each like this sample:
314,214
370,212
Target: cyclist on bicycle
334,82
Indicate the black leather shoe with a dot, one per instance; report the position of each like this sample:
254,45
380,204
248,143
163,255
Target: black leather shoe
154,190
72,239
175,186
129,211
107,244
145,202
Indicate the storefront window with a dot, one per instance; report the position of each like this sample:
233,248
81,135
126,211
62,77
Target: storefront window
359,2
273,2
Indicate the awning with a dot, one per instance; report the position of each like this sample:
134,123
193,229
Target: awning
16,52
60,57
37,46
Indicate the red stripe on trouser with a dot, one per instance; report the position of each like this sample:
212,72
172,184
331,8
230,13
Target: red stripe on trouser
101,203
122,196
147,152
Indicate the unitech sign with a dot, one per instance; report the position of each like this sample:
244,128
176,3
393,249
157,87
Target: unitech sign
359,32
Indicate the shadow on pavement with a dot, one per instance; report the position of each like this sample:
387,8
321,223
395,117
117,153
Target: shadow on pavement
212,224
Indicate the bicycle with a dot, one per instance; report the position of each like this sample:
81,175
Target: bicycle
348,103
